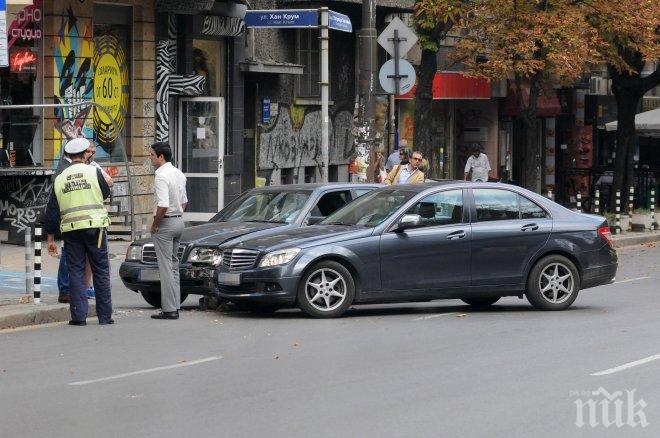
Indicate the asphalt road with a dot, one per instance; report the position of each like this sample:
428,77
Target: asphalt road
424,370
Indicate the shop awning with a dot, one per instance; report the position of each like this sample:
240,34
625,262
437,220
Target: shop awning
454,85
647,124
546,106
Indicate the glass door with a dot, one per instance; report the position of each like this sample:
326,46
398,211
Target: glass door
200,151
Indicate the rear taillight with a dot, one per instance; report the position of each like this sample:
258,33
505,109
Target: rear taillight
604,233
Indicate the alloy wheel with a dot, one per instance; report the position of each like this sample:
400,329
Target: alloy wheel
325,289
556,283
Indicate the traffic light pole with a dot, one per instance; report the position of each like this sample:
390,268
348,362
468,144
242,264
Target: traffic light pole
366,129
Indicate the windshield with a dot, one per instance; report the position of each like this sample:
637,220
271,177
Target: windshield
371,209
269,206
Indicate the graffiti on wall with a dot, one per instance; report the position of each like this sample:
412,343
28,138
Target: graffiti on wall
23,201
74,54
294,139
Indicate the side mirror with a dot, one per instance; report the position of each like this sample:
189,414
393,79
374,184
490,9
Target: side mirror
312,220
408,221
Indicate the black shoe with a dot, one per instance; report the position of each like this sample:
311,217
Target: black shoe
72,322
166,315
110,321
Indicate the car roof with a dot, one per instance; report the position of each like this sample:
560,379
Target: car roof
317,186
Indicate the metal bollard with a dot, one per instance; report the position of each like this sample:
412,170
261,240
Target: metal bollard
28,261
597,202
617,225
654,224
37,264
578,204
631,194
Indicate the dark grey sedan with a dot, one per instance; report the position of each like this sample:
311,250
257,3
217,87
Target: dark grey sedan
473,241
256,212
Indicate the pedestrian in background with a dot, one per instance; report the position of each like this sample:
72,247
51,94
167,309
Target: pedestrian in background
395,157
478,164
407,173
76,206
171,200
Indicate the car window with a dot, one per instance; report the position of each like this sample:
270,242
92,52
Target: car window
360,192
495,205
529,209
442,208
268,206
331,202
371,209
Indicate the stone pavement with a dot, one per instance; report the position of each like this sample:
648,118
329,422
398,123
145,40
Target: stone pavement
17,308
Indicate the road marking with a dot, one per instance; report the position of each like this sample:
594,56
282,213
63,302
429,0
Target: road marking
423,318
631,279
625,366
150,370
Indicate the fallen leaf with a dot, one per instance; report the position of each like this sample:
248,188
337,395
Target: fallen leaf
461,315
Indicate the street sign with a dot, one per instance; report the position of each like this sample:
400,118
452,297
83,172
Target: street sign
387,78
265,111
4,51
339,22
278,18
407,38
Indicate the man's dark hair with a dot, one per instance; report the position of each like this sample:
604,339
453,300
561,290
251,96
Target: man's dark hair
406,153
80,156
164,149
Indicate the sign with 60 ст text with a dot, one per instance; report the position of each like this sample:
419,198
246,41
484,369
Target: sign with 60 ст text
282,18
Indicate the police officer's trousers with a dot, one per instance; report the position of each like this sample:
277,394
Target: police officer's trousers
80,245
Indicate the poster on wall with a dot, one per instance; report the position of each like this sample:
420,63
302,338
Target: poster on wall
4,49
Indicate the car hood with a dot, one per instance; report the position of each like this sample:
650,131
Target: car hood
215,233
302,237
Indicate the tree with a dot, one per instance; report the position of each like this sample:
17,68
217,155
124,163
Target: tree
434,19
630,34
537,45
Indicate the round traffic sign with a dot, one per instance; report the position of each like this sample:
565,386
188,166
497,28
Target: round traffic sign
406,82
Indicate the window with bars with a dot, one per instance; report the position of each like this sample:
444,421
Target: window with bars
307,53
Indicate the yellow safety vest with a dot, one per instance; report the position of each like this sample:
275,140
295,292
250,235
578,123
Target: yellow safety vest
80,199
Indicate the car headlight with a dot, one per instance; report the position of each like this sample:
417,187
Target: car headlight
279,257
134,253
205,256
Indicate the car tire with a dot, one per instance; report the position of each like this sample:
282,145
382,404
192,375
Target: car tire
326,290
553,283
480,301
153,298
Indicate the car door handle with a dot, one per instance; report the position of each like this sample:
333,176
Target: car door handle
456,235
528,227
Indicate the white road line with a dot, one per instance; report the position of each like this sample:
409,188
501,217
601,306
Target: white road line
422,318
631,279
150,370
625,366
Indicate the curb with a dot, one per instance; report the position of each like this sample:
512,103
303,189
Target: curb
623,241
22,315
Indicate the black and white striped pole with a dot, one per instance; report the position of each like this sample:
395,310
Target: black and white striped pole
578,202
37,264
631,194
597,202
617,213
654,224
28,261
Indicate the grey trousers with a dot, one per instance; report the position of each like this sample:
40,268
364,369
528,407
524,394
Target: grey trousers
166,243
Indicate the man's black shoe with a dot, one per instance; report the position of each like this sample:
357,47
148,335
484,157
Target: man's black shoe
166,315
110,321
72,322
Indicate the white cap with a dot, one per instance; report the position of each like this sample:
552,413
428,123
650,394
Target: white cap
76,146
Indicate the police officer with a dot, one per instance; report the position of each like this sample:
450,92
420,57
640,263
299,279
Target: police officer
76,205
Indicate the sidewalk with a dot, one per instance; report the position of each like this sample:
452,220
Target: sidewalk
17,308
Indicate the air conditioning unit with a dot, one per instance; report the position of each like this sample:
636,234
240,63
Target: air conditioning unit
600,86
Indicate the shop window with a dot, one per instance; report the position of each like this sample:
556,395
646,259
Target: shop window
21,133
112,80
308,85
310,174
209,60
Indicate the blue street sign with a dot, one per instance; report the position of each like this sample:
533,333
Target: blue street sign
282,18
339,21
265,111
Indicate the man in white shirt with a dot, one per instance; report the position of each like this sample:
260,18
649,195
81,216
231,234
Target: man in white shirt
478,164
171,200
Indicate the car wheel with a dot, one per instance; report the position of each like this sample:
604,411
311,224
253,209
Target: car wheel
153,298
481,301
326,290
553,283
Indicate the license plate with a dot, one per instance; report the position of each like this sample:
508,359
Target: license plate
148,275
229,278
